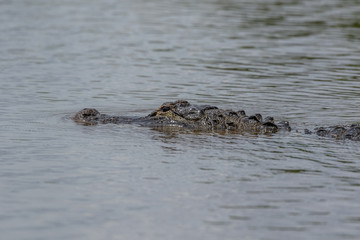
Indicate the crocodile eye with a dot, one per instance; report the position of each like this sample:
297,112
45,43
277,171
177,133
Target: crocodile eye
165,109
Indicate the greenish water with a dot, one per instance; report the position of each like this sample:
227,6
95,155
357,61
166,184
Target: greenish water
294,60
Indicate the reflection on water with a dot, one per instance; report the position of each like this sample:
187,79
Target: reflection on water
295,60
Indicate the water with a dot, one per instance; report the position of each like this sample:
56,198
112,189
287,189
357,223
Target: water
295,60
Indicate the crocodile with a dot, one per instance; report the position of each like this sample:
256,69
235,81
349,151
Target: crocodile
211,118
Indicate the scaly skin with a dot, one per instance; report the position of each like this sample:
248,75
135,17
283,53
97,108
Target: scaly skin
207,118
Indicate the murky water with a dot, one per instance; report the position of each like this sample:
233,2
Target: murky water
295,60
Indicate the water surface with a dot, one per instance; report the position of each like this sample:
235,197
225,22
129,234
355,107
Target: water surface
294,60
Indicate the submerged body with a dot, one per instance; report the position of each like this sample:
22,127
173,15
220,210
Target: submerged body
205,117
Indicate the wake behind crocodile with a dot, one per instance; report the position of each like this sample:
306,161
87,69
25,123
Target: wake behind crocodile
209,118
